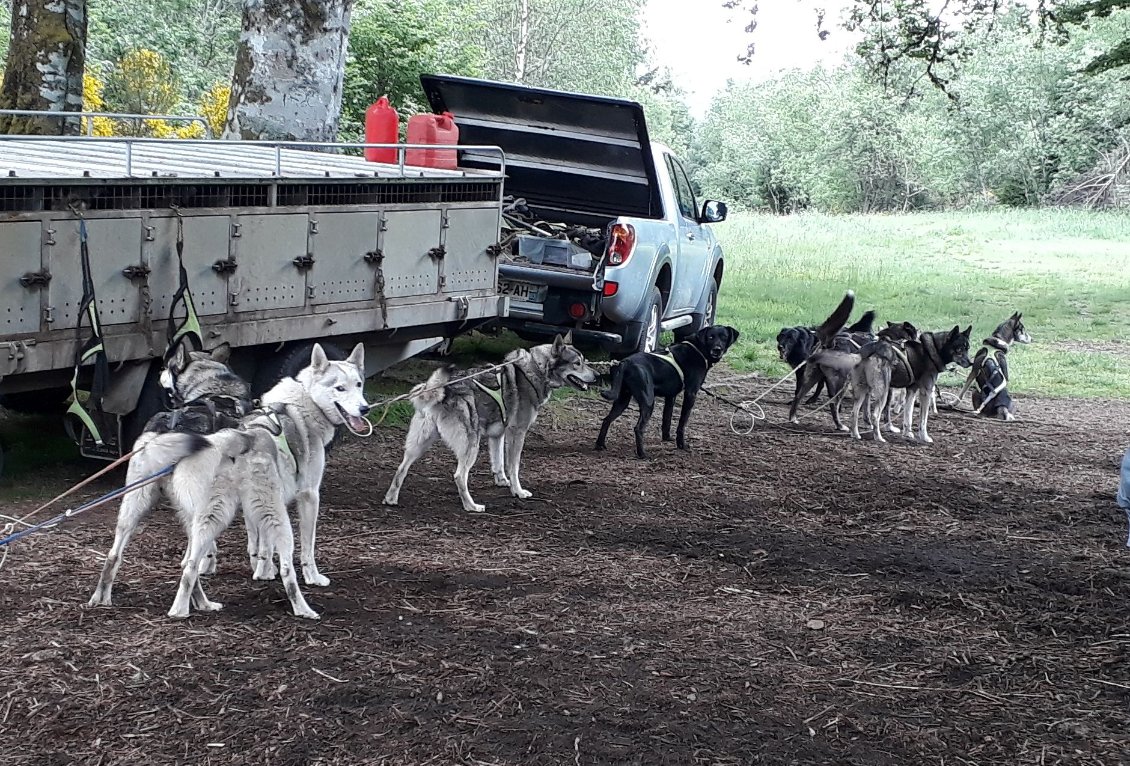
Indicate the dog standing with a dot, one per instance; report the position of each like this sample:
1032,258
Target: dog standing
916,371
645,375
276,458
796,344
501,406
990,374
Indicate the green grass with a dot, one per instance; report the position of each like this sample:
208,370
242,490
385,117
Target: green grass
1068,271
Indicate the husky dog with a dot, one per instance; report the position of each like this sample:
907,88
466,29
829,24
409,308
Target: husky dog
502,406
796,344
647,375
990,375
276,457
813,374
915,370
205,393
871,377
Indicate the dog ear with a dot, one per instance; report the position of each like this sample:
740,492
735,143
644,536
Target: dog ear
180,357
558,342
318,359
968,330
733,335
357,358
221,353
568,339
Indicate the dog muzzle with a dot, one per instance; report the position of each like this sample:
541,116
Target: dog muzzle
357,425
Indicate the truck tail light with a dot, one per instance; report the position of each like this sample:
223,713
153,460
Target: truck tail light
578,310
610,289
621,243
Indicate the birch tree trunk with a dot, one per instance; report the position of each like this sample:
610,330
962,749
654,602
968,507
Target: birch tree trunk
523,41
45,64
288,70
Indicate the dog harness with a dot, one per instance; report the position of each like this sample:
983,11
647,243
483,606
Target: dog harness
670,359
494,393
279,436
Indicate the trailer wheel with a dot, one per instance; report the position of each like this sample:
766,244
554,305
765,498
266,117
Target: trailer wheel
150,401
288,363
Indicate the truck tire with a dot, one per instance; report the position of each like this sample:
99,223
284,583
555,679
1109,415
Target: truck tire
706,319
288,363
652,317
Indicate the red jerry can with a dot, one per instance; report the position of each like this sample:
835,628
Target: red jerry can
382,126
437,129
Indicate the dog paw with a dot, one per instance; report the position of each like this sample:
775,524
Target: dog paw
308,613
842,428
316,579
521,494
501,481
391,499
924,439
475,508
208,567
265,573
794,420
209,606
178,613
600,447
894,429
96,600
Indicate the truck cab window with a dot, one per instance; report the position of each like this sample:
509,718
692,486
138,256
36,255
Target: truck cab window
683,190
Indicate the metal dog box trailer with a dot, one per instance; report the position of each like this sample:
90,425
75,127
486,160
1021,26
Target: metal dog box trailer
283,244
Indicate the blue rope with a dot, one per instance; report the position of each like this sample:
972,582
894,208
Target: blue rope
87,506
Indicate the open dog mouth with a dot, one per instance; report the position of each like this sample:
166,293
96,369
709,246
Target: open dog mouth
357,425
577,383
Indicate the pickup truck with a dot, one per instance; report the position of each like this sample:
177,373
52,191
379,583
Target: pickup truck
606,236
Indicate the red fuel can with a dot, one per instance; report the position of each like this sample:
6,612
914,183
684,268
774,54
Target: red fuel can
382,126
437,129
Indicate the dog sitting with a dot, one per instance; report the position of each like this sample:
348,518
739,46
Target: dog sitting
501,406
990,373
646,375
276,458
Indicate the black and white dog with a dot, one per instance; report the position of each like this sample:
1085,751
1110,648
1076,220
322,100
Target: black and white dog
990,373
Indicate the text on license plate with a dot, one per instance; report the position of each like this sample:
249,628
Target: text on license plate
522,290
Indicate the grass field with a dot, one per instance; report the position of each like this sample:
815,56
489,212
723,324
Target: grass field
1068,271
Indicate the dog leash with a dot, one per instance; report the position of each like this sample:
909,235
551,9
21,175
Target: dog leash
387,404
72,512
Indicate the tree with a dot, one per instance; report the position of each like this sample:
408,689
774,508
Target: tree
46,57
391,42
936,36
289,67
591,46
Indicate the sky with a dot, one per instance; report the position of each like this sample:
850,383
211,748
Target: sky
700,42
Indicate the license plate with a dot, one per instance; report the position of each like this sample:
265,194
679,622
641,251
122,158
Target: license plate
522,290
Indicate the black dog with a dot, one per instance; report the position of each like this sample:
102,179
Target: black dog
645,376
796,344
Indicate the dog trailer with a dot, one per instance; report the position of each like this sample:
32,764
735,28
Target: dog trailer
112,250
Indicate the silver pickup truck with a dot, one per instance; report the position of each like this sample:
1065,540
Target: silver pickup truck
606,236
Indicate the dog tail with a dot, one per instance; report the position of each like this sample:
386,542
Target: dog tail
612,394
834,323
838,360
430,393
155,451
865,324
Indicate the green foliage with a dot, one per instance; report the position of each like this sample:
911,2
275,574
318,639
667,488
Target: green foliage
1018,118
1068,271
392,42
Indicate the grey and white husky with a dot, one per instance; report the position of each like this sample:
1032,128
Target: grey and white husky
277,457
502,406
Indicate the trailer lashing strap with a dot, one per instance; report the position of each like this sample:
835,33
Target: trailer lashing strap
86,405
189,328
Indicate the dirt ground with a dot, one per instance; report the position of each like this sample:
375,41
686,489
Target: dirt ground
786,597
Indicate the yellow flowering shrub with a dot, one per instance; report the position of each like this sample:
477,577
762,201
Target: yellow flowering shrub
92,101
214,107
